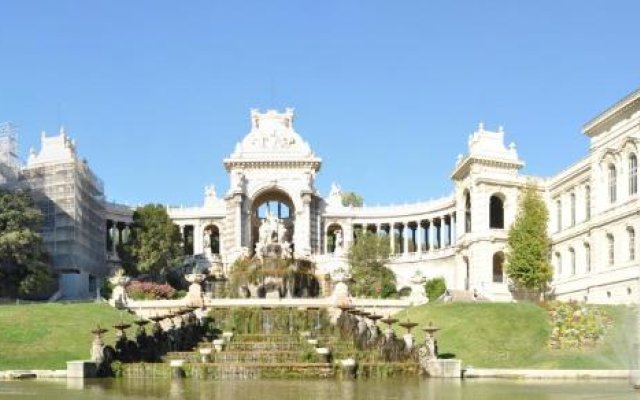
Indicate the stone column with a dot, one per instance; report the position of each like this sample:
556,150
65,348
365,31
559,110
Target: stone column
198,246
405,234
325,238
392,238
432,234
441,233
423,234
302,241
453,229
237,234
416,237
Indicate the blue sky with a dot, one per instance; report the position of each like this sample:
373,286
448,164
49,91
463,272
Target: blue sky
156,93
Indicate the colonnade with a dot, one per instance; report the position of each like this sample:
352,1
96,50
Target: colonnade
409,236
198,238
118,232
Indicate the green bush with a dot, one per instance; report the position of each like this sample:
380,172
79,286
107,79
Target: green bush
435,288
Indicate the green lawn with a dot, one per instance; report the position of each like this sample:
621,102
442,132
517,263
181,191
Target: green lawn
493,335
46,336
482,335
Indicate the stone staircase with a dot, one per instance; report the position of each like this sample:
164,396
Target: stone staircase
256,356
461,296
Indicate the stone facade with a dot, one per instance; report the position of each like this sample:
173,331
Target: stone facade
71,198
460,237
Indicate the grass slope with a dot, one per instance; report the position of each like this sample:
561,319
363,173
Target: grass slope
494,335
46,336
483,335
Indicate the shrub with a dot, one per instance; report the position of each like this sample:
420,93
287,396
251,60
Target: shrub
138,290
435,288
576,326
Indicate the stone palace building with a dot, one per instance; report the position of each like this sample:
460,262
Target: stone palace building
593,205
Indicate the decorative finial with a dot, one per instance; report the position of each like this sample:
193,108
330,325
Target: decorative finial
62,130
501,129
481,126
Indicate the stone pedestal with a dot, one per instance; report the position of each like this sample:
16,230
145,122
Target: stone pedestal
340,296
195,295
177,372
439,368
418,294
205,354
119,297
349,368
218,345
408,340
82,369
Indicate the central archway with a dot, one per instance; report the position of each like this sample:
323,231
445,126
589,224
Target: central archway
276,203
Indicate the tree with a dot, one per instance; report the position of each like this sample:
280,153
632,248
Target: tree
435,288
155,245
529,245
24,270
352,199
367,258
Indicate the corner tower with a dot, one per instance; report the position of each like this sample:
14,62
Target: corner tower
487,185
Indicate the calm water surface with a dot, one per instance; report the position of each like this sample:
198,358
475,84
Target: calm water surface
400,389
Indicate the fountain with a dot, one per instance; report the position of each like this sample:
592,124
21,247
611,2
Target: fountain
125,350
429,361
408,337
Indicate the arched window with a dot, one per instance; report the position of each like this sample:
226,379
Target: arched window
211,239
573,209
496,212
632,244
587,202
587,257
633,174
610,249
215,240
498,267
334,238
612,183
572,260
558,215
559,263
467,212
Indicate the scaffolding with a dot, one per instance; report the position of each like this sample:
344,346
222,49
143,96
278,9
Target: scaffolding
9,161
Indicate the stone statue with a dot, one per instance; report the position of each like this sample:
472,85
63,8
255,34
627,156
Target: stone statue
339,242
335,196
210,192
206,241
273,237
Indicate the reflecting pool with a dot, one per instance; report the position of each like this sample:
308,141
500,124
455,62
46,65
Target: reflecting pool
409,389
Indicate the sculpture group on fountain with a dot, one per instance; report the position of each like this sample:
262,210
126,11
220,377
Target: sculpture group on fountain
273,238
